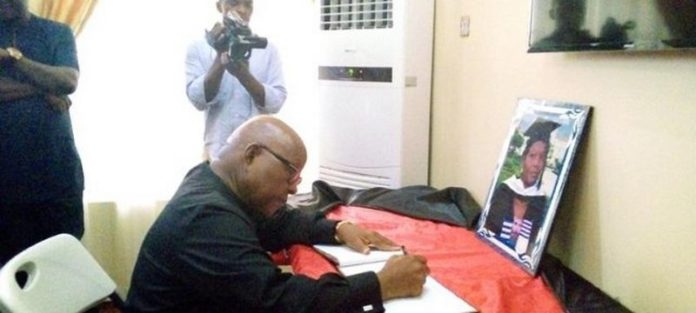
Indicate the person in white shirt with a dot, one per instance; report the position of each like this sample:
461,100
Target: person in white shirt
228,90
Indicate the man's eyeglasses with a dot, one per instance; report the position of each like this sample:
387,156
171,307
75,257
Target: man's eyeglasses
294,172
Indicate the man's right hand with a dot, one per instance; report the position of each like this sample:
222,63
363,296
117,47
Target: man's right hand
403,276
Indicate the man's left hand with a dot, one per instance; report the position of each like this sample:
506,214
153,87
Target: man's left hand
60,103
234,67
362,240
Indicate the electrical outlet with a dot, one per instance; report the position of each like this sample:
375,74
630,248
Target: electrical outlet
464,23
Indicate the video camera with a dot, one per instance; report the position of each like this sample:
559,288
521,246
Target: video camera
236,38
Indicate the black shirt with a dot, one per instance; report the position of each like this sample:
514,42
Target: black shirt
208,252
38,158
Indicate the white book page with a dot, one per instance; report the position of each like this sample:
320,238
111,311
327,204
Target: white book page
435,297
345,256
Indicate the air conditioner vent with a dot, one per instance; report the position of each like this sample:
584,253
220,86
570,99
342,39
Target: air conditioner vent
355,14
342,178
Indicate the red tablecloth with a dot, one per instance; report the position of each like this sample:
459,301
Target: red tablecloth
457,259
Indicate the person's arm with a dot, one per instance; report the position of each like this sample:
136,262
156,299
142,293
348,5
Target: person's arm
60,76
212,79
240,70
55,80
402,276
222,259
264,81
203,76
296,227
213,76
362,240
13,90
274,83
290,227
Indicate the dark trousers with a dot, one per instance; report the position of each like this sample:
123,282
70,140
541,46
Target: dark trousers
23,225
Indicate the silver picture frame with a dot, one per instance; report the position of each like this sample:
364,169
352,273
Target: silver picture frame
529,179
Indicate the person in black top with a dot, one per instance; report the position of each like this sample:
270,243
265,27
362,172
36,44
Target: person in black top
41,178
518,204
208,249
569,34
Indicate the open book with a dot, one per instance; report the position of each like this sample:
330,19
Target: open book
434,296
344,256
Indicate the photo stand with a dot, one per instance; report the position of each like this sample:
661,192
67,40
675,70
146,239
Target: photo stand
529,178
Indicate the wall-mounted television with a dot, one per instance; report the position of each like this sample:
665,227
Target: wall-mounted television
577,25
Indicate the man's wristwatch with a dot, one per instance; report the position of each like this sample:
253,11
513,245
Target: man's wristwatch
15,54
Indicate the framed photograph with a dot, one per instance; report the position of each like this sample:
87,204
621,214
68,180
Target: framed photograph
529,178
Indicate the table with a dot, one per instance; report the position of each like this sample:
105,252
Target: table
457,258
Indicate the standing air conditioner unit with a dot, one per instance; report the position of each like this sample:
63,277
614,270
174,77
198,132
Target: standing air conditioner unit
375,65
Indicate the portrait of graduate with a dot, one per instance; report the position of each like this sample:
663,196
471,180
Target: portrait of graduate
518,204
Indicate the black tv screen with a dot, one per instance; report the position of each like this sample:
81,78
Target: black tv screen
577,25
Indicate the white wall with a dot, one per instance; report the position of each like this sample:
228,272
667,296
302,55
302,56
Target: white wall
135,129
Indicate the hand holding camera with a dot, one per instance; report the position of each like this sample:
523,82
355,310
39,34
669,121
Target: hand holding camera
234,38
235,67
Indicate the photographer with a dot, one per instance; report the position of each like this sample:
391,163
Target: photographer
231,90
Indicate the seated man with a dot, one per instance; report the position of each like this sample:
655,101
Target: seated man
208,250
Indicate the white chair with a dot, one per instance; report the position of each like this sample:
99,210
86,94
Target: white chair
61,277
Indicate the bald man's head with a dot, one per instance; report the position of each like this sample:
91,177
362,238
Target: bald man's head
265,129
261,163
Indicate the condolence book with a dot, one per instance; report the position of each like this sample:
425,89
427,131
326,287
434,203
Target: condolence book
434,296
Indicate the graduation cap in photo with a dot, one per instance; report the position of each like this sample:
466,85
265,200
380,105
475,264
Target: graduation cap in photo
540,130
